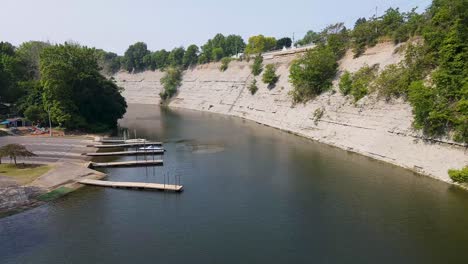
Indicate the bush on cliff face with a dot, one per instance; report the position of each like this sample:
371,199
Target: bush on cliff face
257,65
313,73
171,81
346,82
460,176
253,87
269,76
224,63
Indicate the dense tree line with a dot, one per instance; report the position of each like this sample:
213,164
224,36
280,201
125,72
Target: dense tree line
64,80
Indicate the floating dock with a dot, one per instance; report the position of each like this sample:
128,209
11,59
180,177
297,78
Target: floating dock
126,153
130,163
127,145
134,185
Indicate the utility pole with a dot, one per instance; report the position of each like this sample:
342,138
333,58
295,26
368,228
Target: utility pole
292,44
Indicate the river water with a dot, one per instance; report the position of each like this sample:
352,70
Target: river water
253,194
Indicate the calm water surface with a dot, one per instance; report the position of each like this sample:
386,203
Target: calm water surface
253,194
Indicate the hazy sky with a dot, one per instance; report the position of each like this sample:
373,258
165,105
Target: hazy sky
115,24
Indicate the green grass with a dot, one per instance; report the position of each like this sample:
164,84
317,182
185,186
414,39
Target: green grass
52,195
24,173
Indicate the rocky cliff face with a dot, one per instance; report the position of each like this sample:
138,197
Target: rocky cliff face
375,128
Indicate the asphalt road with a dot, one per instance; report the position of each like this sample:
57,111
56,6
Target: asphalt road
51,150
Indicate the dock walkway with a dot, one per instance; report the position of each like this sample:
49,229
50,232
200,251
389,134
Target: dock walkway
125,153
127,145
135,185
130,163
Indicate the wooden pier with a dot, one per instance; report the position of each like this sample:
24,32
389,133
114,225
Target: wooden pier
130,163
133,185
127,145
126,153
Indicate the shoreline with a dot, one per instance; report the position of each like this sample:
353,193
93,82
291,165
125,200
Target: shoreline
347,149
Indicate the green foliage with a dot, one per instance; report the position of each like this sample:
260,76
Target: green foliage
217,54
176,57
28,53
313,73
190,56
133,57
224,64
269,76
346,83
78,96
361,81
159,59
309,38
283,42
12,73
336,37
35,113
460,176
52,195
318,114
253,87
257,67
220,46
109,62
171,81
259,44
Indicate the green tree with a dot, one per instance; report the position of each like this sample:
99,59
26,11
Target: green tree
269,76
234,45
313,73
257,67
217,54
36,114
160,59
12,72
259,44
77,95
346,83
190,56
283,42
28,53
171,81
311,37
253,87
133,57
176,57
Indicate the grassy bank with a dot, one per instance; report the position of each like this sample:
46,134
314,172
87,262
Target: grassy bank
24,173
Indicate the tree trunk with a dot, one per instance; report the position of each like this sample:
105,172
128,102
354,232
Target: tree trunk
14,158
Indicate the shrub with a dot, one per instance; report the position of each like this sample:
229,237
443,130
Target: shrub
361,81
253,87
224,63
392,82
345,83
171,81
460,176
312,74
318,114
269,76
257,65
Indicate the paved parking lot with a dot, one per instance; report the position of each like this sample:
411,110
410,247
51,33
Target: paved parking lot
51,150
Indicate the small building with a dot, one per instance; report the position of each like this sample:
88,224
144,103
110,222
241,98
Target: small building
16,122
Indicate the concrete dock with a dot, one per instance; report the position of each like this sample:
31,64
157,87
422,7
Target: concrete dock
127,145
125,153
134,185
130,163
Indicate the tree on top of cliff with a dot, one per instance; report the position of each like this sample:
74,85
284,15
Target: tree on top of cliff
133,57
